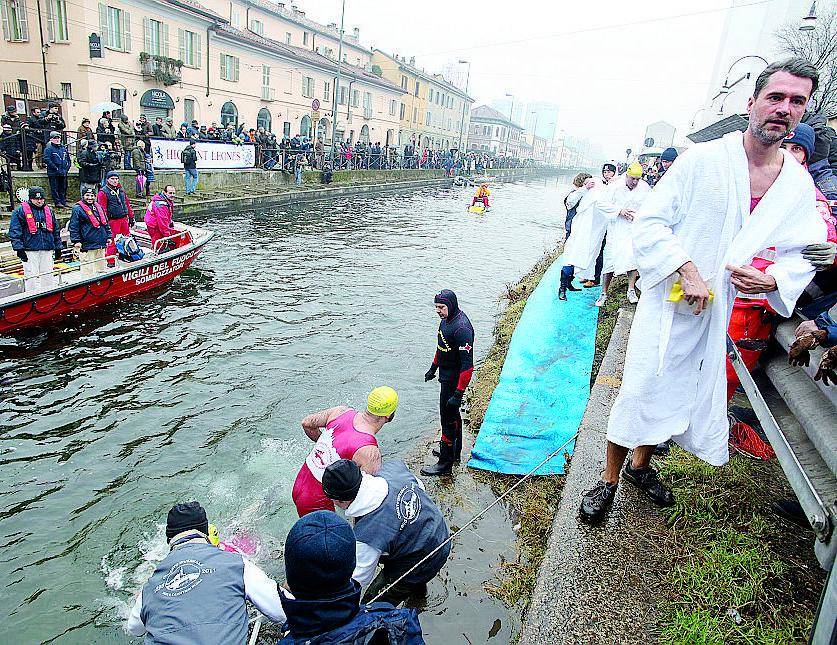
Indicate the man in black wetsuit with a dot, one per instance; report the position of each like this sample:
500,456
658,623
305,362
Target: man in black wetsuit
454,360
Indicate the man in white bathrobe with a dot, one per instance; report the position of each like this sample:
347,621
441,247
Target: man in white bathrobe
721,203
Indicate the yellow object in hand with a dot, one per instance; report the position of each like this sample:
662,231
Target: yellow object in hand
214,537
676,294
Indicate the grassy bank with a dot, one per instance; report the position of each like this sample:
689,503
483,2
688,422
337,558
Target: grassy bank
739,574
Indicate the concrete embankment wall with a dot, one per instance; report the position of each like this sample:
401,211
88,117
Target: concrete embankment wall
268,180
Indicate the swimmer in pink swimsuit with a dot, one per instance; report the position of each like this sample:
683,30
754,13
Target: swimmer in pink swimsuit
341,433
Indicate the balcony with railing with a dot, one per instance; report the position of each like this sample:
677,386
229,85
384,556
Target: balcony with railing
162,69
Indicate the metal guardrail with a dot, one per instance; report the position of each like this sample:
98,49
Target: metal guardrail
784,401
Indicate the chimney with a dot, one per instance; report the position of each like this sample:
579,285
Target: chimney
356,32
281,5
332,25
412,60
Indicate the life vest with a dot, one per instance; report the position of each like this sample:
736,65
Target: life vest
30,218
95,221
117,202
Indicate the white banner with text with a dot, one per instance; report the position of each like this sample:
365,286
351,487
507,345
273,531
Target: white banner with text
166,153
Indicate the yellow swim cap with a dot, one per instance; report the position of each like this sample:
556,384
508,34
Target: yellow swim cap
382,401
635,170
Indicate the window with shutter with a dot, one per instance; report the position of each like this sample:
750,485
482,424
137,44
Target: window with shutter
146,36
236,68
7,32
103,25
198,50
164,41
15,24
50,20
181,46
126,31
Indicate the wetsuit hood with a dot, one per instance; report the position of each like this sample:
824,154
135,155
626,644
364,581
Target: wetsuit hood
448,297
311,617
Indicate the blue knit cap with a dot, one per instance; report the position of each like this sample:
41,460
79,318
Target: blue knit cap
669,154
803,135
320,555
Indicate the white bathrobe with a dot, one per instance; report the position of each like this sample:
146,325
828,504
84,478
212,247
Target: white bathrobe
619,251
674,383
588,231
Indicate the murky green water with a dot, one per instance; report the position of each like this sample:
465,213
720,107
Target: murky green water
197,392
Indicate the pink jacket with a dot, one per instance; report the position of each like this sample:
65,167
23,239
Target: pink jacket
159,214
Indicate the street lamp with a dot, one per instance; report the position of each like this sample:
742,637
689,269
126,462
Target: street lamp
809,22
508,134
464,102
337,84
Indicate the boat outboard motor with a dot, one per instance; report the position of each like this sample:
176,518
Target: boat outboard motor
128,249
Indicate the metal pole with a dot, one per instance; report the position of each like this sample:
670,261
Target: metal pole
43,49
337,85
464,103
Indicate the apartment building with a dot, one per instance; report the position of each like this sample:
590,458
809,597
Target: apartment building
241,61
431,110
492,132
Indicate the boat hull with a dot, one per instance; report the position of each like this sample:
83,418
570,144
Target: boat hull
46,307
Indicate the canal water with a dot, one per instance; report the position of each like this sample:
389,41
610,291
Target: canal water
196,392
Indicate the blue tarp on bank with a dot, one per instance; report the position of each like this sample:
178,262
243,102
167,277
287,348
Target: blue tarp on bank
545,383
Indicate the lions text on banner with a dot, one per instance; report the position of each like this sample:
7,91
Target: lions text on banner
210,154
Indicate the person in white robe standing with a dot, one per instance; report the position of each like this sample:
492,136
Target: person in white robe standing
696,234
593,209
627,194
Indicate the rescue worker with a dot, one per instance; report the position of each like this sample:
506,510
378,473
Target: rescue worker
454,359
341,433
396,523
35,235
89,233
158,215
322,601
482,196
117,206
197,593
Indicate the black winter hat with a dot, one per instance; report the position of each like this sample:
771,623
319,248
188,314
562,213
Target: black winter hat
36,192
319,555
341,480
185,516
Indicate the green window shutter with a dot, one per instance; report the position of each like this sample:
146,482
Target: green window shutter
146,35
181,45
23,20
104,32
7,34
126,31
198,50
164,43
235,74
50,6
223,68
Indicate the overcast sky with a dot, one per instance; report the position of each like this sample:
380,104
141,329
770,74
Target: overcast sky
610,76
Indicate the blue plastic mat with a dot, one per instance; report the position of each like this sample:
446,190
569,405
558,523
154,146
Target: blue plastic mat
545,383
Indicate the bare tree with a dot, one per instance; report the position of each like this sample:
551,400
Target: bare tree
818,46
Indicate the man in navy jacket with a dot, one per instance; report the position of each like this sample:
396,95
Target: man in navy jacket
35,235
57,160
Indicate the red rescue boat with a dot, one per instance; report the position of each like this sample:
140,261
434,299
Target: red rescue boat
163,261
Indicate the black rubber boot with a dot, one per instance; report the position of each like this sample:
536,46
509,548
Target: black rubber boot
445,463
457,449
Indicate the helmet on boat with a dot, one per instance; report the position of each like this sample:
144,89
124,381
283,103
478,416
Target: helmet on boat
382,401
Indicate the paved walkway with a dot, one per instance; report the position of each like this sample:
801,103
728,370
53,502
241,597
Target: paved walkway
599,584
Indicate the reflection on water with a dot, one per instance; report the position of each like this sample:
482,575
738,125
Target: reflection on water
197,392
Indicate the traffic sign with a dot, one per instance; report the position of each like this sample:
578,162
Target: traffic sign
315,105
649,142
